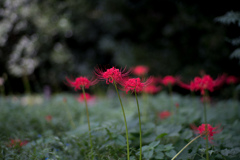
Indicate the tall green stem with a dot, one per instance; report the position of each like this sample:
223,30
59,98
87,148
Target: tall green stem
125,121
205,96
89,128
186,146
140,130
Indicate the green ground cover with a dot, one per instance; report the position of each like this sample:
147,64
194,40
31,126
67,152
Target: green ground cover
57,128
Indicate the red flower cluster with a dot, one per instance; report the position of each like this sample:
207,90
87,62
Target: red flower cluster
133,84
210,131
48,118
186,86
17,142
140,70
202,84
177,105
169,80
80,82
152,89
111,75
88,97
164,114
231,80
205,99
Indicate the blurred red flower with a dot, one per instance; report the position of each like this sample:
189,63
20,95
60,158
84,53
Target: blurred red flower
112,75
152,89
169,80
135,84
231,79
140,70
202,84
17,142
164,114
48,118
219,81
156,80
187,86
88,97
205,99
80,82
202,130
177,105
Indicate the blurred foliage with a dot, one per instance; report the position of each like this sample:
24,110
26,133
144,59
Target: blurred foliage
25,118
232,18
53,39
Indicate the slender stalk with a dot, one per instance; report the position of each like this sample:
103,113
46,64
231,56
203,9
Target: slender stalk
186,146
125,121
205,121
140,130
89,128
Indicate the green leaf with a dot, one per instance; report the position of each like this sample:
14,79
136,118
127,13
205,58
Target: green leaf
168,147
154,144
160,148
187,134
171,153
144,148
120,140
161,136
211,152
159,155
148,154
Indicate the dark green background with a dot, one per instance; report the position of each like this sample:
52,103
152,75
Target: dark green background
72,37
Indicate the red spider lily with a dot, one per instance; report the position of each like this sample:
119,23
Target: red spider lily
219,81
80,82
156,80
169,80
231,80
48,118
135,84
202,131
152,89
187,86
88,97
164,114
140,70
205,99
177,105
17,142
112,75
202,84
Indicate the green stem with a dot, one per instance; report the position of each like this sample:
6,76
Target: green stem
186,146
125,121
140,130
89,128
205,96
